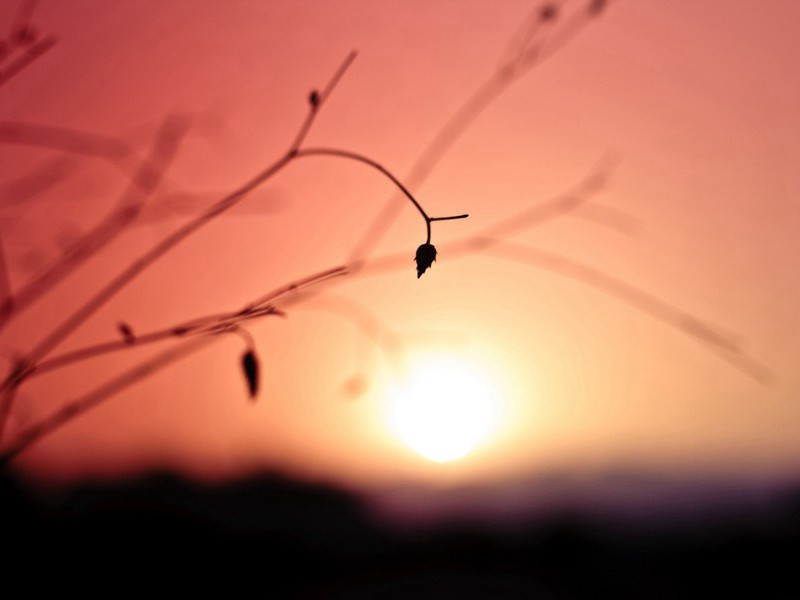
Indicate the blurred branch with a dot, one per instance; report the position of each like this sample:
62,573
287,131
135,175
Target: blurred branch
363,159
534,48
698,329
19,64
205,325
46,345
144,183
366,321
86,402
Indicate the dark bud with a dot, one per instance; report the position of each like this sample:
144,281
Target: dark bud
127,333
426,254
250,370
597,6
548,12
313,98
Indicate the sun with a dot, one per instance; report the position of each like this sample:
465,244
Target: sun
444,408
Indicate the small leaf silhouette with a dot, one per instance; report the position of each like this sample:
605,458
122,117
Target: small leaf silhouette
250,370
127,332
426,254
313,98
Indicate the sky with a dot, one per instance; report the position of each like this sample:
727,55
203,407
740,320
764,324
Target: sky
572,326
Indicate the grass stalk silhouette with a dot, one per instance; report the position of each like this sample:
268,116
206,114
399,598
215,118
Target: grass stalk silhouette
726,347
107,231
541,38
542,35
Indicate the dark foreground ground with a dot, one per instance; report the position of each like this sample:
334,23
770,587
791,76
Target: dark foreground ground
273,538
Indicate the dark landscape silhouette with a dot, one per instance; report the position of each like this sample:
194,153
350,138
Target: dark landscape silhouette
303,540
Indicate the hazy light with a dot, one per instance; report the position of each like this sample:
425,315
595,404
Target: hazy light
444,409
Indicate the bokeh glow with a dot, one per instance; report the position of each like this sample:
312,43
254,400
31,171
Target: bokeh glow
444,409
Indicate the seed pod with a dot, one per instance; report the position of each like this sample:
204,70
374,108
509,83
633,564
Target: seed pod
596,7
426,254
250,370
548,12
127,333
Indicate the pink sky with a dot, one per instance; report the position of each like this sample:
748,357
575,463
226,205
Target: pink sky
696,103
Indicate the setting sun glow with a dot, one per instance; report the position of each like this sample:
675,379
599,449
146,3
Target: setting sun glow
444,409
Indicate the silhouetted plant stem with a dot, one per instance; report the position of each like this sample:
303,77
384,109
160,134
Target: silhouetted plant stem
145,181
100,394
212,325
19,64
50,341
532,52
199,326
385,171
318,99
717,342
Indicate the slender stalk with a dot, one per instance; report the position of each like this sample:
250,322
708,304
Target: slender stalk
385,171
20,63
88,401
46,345
198,326
531,52
143,184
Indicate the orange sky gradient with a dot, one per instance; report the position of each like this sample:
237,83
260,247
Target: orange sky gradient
693,106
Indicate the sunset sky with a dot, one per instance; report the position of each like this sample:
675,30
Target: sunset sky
567,334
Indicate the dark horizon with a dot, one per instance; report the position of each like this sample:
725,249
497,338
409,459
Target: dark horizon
342,550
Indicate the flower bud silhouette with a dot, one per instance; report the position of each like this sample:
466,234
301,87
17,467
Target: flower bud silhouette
426,254
250,371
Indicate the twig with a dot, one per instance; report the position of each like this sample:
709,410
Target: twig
525,59
22,19
198,326
88,401
134,269
130,204
20,63
382,169
634,296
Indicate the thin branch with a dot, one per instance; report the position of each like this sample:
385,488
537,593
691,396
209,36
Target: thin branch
199,326
385,171
475,104
66,140
130,204
318,99
104,392
634,296
144,261
22,19
20,63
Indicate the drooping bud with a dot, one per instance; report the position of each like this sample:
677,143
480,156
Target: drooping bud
548,12
313,98
596,7
250,372
127,333
426,254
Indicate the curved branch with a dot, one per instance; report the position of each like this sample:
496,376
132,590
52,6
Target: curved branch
386,172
